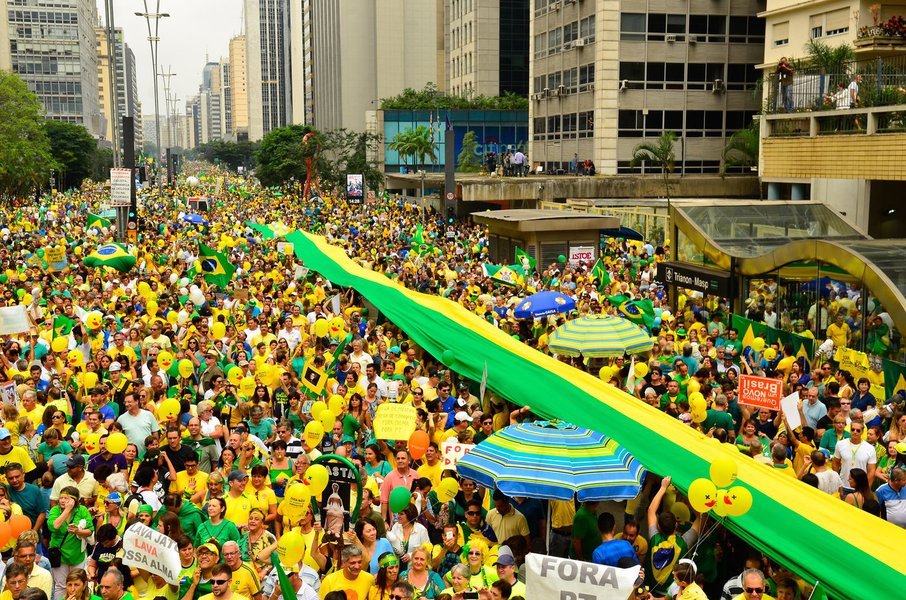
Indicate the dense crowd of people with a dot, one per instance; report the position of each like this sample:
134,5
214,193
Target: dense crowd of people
205,383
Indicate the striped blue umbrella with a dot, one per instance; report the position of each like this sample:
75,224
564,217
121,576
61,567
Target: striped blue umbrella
599,336
553,460
543,304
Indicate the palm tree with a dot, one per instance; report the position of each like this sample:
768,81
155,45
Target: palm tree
415,143
742,148
402,143
658,153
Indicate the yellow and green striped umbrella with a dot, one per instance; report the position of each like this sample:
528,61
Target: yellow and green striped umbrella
599,336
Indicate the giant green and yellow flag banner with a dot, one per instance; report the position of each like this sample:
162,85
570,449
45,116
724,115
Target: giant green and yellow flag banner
850,553
749,330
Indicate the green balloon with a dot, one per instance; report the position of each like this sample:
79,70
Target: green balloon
400,498
41,252
4,278
561,258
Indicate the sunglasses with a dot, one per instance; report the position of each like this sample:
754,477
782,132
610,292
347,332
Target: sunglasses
397,597
58,416
220,581
754,590
473,512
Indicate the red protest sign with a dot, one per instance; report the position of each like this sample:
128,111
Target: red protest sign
761,392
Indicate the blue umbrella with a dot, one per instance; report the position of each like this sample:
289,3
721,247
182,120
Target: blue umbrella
195,219
543,304
553,460
623,232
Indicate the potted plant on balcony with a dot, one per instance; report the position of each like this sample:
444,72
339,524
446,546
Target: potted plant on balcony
891,32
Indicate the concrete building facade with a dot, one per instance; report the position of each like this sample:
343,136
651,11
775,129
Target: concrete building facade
127,103
239,96
268,65
53,48
609,74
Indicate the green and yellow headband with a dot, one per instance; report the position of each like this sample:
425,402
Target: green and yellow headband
388,561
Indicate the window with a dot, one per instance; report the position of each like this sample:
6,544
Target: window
657,25
554,80
571,79
586,124
554,40
630,123
676,23
570,32
586,77
540,45
632,26
570,123
781,33
587,29
633,71
830,23
539,126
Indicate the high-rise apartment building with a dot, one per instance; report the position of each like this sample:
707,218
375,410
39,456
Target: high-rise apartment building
5,60
239,87
126,103
210,95
226,100
487,47
365,50
608,74
268,65
301,62
52,47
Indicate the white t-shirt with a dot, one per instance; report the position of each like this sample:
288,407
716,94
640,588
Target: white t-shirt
829,482
852,456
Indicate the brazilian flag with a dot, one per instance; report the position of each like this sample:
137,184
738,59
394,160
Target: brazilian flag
526,260
510,275
111,255
97,221
599,272
62,325
640,312
215,267
418,243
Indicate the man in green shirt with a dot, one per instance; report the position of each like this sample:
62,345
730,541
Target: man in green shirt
585,532
111,586
718,416
673,395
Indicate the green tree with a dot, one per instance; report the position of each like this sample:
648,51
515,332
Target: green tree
742,147
659,153
416,144
101,163
231,154
467,161
830,60
25,154
282,155
348,152
74,150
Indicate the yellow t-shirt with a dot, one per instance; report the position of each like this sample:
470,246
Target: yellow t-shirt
35,414
245,581
17,454
193,483
262,499
432,473
356,589
237,509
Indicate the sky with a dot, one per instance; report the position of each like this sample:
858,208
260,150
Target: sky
195,28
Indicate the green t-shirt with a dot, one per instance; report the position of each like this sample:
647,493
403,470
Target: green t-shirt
719,419
70,545
350,425
585,527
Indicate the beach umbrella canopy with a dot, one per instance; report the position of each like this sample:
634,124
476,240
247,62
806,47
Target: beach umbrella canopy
623,232
195,219
553,460
599,336
543,304
111,255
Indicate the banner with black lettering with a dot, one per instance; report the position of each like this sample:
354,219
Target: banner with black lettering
152,551
551,578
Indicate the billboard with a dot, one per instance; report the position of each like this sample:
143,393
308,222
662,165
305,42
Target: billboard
355,188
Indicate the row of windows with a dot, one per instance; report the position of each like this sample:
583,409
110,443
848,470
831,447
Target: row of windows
47,32
684,167
568,126
575,79
691,123
654,27
689,76
34,16
42,88
45,66
560,39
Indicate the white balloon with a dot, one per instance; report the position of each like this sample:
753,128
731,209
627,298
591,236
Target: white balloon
192,181
173,278
181,317
183,291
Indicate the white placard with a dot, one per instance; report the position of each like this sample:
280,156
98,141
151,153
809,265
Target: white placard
790,407
120,187
154,552
9,394
585,254
549,577
452,451
300,272
14,319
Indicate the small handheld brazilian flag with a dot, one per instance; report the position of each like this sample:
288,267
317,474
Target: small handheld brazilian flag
215,267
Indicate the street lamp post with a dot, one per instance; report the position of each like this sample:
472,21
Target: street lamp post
153,39
166,77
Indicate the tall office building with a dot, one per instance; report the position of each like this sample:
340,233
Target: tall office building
52,47
268,65
5,59
487,47
608,74
301,62
352,41
126,104
226,100
239,87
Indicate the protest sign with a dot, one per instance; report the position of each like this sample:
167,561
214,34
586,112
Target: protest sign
55,256
452,451
9,395
790,406
394,421
761,392
549,577
152,551
13,319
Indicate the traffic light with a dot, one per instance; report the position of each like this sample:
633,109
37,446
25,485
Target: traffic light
451,214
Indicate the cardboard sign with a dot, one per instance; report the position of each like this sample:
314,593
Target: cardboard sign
550,577
152,551
120,187
55,256
585,254
337,497
452,451
394,421
761,392
13,319
9,394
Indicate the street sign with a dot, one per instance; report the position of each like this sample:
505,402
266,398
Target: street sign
120,187
700,279
450,196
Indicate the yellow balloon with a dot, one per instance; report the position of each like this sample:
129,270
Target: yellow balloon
295,502
172,317
698,415
152,307
722,504
247,386
92,443
165,360
59,344
702,495
641,369
94,320
218,329
75,358
327,418
27,299
758,344
317,408
693,386
235,375
144,290
186,368
291,547
740,501
247,266
605,373
723,472
90,379
314,433
321,327
336,404
168,409
316,478
447,489
117,442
